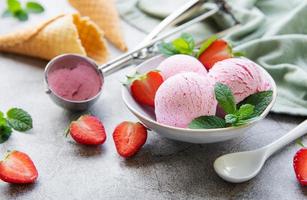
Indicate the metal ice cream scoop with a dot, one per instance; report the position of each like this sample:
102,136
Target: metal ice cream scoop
142,51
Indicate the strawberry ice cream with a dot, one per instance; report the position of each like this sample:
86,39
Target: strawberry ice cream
241,75
183,97
79,83
180,63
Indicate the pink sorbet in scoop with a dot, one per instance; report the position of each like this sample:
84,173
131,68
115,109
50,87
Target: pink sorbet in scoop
182,98
79,83
180,63
241,75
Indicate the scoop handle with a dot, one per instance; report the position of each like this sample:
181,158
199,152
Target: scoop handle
292,135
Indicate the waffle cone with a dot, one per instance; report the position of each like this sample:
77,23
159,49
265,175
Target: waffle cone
105,15
62,34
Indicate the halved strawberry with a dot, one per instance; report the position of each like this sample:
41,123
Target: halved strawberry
17,167
214,50
144,87
300,166
129,137
88,130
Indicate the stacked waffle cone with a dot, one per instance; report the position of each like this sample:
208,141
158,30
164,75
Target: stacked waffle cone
70,33
104,14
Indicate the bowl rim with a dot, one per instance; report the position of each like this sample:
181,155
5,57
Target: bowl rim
262,116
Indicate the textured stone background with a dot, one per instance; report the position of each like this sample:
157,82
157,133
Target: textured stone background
163,169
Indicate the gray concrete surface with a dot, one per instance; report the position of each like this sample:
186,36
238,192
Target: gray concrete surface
163,169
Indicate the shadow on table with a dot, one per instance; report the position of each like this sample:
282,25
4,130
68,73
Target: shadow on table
35,62
15,190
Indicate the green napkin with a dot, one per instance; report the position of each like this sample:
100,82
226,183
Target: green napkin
273,34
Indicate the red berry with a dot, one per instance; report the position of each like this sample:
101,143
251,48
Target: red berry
17,167
300,166
88,130
144,88
217,51
129,137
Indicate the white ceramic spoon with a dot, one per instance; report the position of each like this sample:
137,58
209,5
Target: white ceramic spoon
243,166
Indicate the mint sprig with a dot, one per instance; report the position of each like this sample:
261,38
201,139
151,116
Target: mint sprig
207,122
17,119
236,115
15,9
185,44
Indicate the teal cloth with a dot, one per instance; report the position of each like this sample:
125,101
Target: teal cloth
273,34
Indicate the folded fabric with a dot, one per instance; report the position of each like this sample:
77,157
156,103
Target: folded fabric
272,33
105,15
62,34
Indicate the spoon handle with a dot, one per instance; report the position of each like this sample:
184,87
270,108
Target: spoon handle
292,135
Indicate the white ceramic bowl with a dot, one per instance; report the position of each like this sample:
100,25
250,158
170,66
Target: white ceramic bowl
147,116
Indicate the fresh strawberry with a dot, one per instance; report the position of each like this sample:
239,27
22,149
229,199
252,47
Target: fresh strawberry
300,165
129,137
214,50
17,167
144,87
88,130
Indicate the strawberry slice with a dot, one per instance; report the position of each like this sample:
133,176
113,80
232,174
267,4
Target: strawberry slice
18,168
300,166
144,87
214,50
88,130
129,137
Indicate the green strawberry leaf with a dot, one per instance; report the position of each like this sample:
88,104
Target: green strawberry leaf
1,115
300,142
245,111
34,7
19,119
238,54
207,122
225,98
206,44
231,118
259,100
167,49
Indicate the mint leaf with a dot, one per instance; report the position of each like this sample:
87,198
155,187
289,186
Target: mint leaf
6,13
245,111
19,119
21,15
245,121
5,129
231,118
185,44
34,7
206,44
167,49
207,122
13,6
225,98
259,100
5,133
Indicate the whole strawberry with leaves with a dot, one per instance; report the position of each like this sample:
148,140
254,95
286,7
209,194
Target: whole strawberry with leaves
300,164
143,87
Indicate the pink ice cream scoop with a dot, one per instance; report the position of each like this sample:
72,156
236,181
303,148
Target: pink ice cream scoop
180,63
79,83
183,97
241,75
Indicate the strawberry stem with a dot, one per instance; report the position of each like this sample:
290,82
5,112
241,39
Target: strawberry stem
299,142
